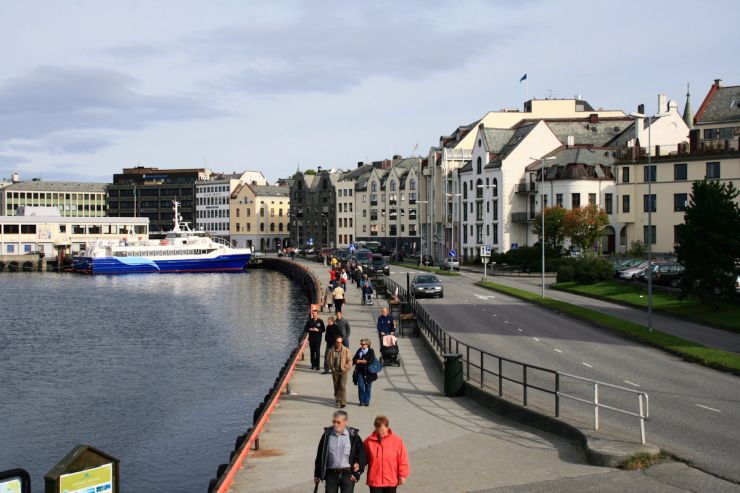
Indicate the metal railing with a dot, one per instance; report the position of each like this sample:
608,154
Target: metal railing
517,380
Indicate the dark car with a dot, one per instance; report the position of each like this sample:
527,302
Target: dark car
427,285
666,274
362,257
378,265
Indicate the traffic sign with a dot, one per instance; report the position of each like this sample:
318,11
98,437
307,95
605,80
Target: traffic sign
485,251
514,246
452,253
352,247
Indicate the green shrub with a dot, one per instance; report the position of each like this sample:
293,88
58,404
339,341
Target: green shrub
565,273
591,269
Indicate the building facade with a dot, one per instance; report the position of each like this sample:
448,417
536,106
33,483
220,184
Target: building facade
213,197
313,216
45,229
150,192
72,199
260,217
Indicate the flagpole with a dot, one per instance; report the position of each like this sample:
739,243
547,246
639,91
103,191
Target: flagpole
526,88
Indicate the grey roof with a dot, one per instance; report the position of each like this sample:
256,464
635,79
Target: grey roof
598,134
270,190
496,138
724,106
577,163
468,166
58,186
519,134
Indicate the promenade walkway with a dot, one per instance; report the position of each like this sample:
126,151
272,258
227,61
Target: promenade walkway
454,444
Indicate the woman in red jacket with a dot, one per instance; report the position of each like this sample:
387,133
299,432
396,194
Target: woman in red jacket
388,462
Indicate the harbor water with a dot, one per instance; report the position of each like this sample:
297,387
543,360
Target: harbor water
161,371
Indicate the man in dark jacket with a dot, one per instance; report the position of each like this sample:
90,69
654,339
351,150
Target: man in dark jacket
330,337
340,458
343,328
314,328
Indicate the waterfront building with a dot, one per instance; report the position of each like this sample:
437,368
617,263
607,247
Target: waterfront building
313,215
711,154
259,216
213,197
150,192
45,229
72,199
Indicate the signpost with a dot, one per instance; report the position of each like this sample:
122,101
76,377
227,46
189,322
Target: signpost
485,255
15,481
451,255
84,469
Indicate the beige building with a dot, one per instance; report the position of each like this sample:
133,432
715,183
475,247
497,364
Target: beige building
44,229
72,199
346,212
259,217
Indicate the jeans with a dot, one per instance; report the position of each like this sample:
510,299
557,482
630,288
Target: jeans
339,482
340,387
365,388
315,354
382,489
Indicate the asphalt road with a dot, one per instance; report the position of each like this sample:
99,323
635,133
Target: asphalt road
694,410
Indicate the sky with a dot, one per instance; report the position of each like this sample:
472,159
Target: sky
88,87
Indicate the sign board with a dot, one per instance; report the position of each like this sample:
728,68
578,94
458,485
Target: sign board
97,479
514,246
15,481
485,251
452,253
310,241
352,247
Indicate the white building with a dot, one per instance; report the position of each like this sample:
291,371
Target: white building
212,200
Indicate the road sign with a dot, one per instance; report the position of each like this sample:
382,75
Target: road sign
514,246
352,247
485,251
452,253
310,241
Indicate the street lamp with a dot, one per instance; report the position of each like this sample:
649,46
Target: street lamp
459,225
542,213
650,119
421,237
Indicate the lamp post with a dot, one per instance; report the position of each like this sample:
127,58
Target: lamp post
459,225
651,204
421,237
542,213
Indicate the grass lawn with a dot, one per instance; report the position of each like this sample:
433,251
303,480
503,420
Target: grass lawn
427,268
727,317
691,351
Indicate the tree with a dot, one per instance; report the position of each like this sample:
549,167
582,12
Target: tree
309,172
554,227
585,225
709,241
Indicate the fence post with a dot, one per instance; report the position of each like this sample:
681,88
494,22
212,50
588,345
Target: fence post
467,363
557,395
596,406
500,377
481,369
525,384
642,420
457,347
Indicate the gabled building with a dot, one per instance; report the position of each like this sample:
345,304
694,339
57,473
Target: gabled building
212,200
313,215
259,217
718,118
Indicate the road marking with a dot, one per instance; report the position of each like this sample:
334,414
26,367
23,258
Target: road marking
709,408
495,315
558,350
586,364
631,383
536,339
520,330
484,297
506,321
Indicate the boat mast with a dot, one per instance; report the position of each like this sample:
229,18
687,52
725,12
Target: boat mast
178,218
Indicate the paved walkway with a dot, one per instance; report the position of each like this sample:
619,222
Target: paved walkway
703,334
454,444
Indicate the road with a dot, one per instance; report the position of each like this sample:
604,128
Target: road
695,412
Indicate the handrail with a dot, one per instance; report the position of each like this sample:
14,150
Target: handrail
442,342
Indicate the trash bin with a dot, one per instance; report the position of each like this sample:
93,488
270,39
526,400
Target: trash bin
453,374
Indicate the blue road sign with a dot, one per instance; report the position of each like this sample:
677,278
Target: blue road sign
514,246
452,253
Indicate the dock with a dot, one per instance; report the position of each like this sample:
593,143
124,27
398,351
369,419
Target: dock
454,444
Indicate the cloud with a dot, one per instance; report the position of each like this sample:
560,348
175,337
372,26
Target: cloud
67,109
7,160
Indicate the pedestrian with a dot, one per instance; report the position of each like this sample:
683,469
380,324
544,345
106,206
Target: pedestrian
333,276
314,328
386,325
340,458
338,298
340,362
343,328
343,279
358,276
387,459
365,378
328,297
330,336
367,291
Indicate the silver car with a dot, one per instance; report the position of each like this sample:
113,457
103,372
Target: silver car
427,285
451,263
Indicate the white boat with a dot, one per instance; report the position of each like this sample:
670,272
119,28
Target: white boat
182,250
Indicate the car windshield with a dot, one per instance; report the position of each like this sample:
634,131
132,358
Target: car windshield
377,260
363,255
426,279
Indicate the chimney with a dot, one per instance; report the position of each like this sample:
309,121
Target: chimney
641,109
593,118
318,169
662,103
15,178
396,156
717,82
359,164
570,141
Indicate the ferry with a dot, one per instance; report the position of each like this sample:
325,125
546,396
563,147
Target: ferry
182,250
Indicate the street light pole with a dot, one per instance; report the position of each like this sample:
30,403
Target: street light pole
542,215
459,225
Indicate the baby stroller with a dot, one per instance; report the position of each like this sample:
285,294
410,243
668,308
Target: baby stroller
389,351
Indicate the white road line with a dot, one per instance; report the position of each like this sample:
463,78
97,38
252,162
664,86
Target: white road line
520,330
495,315
506,321
586,364
558,350
709,408
536,339
631,383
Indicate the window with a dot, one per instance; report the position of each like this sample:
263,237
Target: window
10,249
713,170
625,174
679,201
479,189
711,133
648,173
680,172
393,185
592,199
495,210
465,191
412,184
648,203
648,238
676,229
479,165
559,199
495,187
575,200
608,203
625,203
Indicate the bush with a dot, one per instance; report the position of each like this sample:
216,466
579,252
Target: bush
565,273
591,269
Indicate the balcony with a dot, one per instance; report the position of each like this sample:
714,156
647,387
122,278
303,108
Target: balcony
522,217
530,187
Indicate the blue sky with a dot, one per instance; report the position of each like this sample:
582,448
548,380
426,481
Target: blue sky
90,87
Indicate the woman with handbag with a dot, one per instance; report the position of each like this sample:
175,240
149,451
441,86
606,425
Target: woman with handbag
365,362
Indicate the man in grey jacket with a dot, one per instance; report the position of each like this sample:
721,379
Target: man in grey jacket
343,328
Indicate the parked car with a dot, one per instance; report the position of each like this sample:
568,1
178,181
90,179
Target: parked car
427,285
362,257
666,274
378,265
626,264
633,272
451,263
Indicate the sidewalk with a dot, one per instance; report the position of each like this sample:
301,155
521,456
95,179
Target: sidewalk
454,444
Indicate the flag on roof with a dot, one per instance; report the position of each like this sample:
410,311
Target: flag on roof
524,77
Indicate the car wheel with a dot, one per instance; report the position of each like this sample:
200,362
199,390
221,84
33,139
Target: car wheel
441,296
